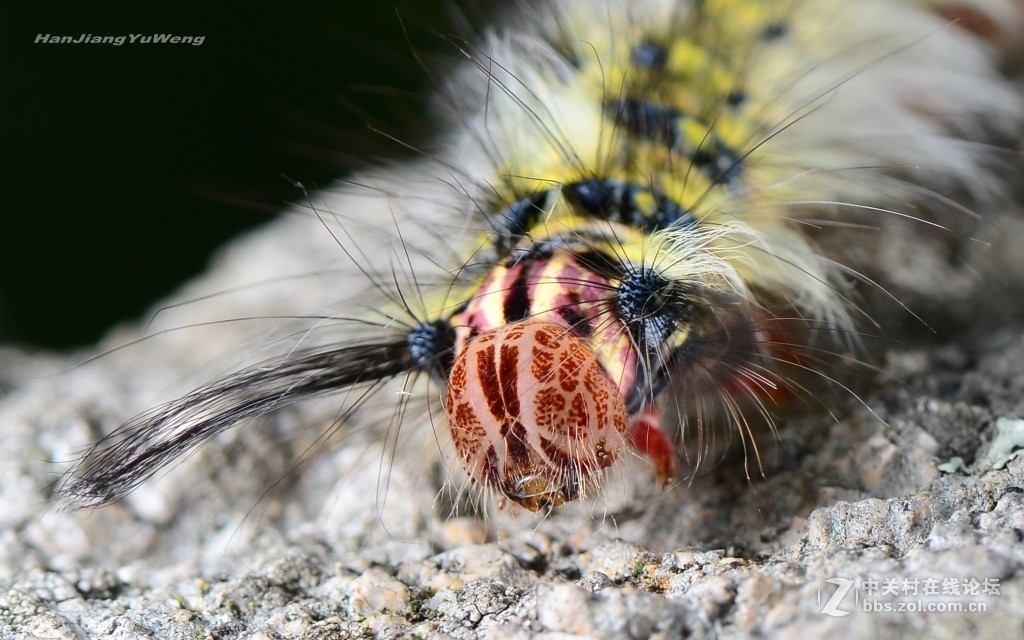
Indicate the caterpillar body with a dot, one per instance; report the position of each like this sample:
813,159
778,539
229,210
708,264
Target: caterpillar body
617,245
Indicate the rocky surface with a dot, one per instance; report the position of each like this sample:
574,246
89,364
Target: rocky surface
909,481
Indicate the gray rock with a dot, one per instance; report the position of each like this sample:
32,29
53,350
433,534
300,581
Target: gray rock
361,542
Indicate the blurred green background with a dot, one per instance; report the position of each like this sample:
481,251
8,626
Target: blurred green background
125,167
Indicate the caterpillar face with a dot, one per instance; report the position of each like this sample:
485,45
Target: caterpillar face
558,346
533,414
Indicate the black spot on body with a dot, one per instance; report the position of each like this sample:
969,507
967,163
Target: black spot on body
519,218
648,120
775,31
736,97
431,346
650,55
651,306
616,201
603,199
663,125
592,196
721,163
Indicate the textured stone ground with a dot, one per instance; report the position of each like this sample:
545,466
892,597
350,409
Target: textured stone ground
918,486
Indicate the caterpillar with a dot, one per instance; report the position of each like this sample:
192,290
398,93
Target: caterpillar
620,245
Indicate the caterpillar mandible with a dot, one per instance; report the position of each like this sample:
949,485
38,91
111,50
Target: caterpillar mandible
621,232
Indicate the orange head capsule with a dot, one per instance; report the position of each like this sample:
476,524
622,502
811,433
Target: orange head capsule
533,413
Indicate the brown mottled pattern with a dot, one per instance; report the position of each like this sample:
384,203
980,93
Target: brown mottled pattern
490,383
544,337
599,395
517,445
490,473
571,366
457,378
533,413
579,418
555,453
508,374
552,401
543,365
516,331
466,435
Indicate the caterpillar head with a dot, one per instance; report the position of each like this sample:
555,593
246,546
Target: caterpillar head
533,414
